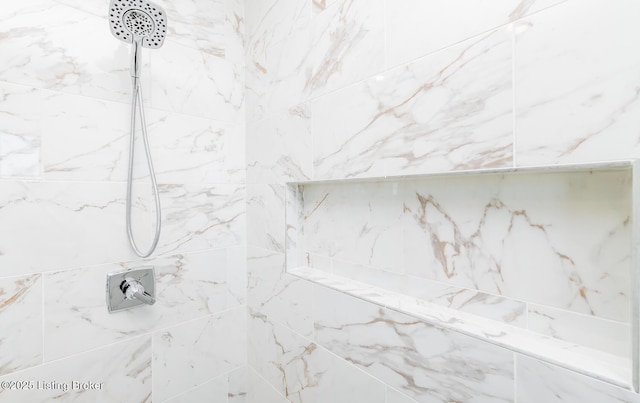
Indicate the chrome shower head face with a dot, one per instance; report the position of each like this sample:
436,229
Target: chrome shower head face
138,20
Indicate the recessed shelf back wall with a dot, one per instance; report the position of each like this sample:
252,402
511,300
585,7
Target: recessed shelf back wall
543,256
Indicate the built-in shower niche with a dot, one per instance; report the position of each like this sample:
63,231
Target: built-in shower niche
537,260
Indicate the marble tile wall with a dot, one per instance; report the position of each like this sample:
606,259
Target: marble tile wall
487,244
348,89
64,134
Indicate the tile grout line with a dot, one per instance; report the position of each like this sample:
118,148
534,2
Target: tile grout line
127,263
307,339
149,334
215,378
75,355
265,381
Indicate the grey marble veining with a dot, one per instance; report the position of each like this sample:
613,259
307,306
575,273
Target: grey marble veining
64,63
425,362
201,216
303,371
275,293
429,115
65,93
21,333
596,364
39,213
21,134
266,216
571,107
190,354
279,147
188,286
123,369
213,27
560,240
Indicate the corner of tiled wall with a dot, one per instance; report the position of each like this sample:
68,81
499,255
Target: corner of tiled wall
64,121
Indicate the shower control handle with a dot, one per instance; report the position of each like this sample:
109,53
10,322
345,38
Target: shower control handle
133,289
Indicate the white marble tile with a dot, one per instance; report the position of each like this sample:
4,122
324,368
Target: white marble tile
21,322
123,370
596,364
51,219
64,47
321,5
486,305
342,44
505,310
284,298
257,83
348,44
265,217
85,138
197,217
192,353
260,391
393,396
416,28
214,391
279,148
359,223
539,382
425,362
227,388
20,132
213,27
95,7
575,83
589,331
88,139
269,22
236,276
556,239
305,372
187,287
49,225
192,82
325,263
431,115
288,64
188,149
294,217
238,387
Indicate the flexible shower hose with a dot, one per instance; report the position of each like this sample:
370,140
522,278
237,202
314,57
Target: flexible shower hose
137,100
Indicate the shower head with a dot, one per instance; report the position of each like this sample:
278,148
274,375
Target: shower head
138,21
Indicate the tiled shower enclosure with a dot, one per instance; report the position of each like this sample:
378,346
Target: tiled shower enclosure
372,109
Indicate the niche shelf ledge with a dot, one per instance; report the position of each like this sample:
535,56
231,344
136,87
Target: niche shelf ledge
425,226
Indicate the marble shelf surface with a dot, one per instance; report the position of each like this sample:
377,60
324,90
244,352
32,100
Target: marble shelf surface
605,367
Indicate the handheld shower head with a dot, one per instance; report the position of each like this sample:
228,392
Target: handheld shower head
140,21
142,24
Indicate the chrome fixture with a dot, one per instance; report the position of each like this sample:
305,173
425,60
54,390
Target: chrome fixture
130,288
143,24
